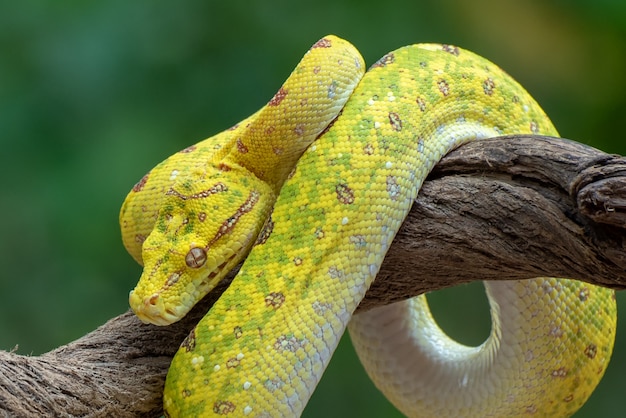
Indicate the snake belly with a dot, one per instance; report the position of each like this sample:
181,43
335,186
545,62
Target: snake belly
264,345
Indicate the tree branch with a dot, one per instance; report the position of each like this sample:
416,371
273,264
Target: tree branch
513,208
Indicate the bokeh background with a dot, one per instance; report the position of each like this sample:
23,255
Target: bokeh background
93,94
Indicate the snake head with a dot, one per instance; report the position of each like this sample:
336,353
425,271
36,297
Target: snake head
205,227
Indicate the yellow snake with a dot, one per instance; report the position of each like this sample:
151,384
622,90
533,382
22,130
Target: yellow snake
318,240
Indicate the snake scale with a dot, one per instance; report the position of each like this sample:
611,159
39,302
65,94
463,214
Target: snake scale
310,191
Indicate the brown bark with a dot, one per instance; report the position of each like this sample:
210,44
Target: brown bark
495,209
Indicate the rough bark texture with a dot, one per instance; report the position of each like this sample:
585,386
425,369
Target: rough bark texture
497,209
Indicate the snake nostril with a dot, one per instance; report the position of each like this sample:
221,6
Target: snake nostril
153,299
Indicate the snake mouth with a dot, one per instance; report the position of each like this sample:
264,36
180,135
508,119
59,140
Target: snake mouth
153,309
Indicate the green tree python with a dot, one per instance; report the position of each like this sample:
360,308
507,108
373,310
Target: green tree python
310,192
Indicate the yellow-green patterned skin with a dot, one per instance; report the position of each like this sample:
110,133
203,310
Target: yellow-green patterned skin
322,235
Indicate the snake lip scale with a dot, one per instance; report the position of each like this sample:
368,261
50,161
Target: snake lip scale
309,192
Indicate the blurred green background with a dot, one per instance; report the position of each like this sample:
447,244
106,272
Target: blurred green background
93,94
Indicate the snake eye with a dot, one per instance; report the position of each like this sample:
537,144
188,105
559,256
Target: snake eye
196,257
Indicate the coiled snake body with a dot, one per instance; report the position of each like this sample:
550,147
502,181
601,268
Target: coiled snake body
319,231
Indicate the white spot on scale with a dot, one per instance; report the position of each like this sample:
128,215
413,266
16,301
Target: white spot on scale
525,107
173,174
216,368
464,380
313,147
239,356
247,410
388,164
246,385
345,220
376,125
195,360
370,102
390,96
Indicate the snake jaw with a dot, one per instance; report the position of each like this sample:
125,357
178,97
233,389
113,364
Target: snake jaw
153,309
170,302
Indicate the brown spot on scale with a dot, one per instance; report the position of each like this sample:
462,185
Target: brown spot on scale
583,295
238,332
421,103
368,149
344,194
534,127
278,97
591,350
556,332
232,362
265,232
451,49
189,343
223,167
358,240
568,398
385,60
299,129
140,238
223,407
320,308
335,273
172,279
444,87
322,43
216,188
189,149
274,300
317,69
241,147
202,216
489,86
396,122
141,183
393,188
292,344
230,223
